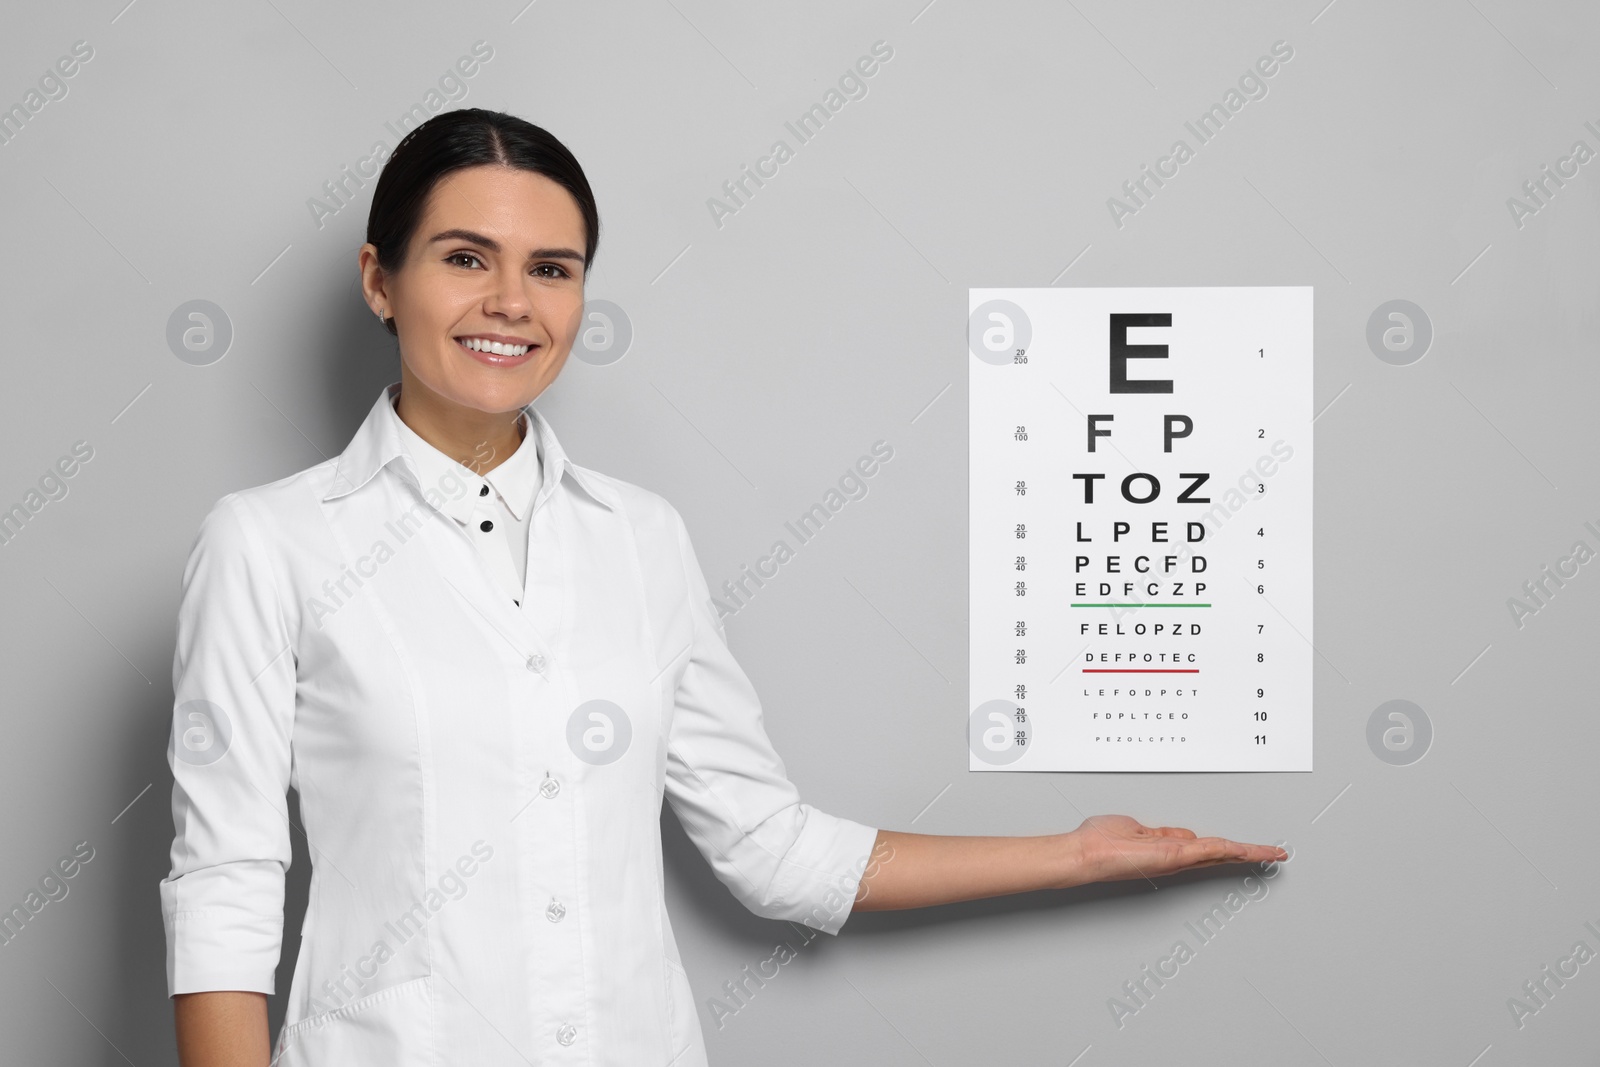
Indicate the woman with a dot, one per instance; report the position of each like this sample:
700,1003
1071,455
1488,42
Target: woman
483,666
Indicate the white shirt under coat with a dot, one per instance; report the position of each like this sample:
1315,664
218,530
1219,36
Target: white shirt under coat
494,507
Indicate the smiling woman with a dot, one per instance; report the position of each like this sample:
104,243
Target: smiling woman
483,281
533,673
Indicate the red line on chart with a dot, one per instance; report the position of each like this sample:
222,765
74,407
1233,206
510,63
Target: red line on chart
1141,670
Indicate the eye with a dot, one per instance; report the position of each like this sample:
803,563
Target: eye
463,255
560,271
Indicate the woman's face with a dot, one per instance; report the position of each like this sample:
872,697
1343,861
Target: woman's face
498,256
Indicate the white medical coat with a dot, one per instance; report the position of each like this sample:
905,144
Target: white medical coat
480,783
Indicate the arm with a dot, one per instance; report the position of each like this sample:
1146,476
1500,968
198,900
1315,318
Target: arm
779,856
917,870
784,859
234,694
222,1029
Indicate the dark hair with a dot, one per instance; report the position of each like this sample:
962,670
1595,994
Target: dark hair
451,141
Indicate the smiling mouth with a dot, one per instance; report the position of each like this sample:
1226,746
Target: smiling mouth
494,353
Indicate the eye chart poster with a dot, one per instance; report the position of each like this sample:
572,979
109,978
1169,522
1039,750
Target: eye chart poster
1140,492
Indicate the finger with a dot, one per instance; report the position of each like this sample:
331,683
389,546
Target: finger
1215,849
1249,853
1205,851
1210,850
1266,854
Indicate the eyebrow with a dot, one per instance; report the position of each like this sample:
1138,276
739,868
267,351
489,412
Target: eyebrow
494,246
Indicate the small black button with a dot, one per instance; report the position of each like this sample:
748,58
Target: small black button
483,490
485,525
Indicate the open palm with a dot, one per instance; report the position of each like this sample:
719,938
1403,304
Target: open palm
1116,847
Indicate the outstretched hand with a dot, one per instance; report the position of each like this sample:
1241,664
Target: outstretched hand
1115,847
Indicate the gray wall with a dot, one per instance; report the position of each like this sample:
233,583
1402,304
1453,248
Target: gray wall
769,352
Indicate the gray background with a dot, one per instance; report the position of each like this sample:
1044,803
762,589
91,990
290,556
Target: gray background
769,354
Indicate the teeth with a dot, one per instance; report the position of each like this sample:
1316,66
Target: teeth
494,347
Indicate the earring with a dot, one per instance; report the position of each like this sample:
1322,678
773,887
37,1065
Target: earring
380,314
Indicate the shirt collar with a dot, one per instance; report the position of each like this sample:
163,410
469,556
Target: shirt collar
381,440
515,478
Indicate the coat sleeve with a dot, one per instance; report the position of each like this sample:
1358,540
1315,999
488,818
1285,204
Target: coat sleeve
780,857
233,682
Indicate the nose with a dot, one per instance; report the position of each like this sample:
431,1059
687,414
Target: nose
509,298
